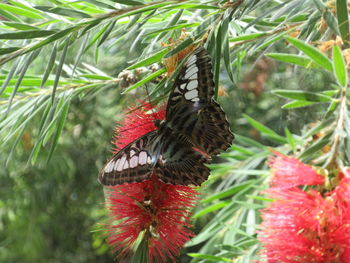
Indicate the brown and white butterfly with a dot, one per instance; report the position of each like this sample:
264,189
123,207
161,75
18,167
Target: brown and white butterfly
193,121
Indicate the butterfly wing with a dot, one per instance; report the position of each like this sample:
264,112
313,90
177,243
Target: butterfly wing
133,163
192,110
174,162
179,164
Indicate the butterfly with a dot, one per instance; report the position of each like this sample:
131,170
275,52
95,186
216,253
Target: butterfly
194,129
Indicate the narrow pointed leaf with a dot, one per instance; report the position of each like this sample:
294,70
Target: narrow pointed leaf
297,104
27,34
149,60
343,20
339,66
145,80
265,130
21,26
21,76
7,50
63,11
61,120
316,55
302,95
292,59
20,11
59,69
49,66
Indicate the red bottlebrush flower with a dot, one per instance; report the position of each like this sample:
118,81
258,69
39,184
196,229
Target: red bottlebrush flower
151,211
306,226
158,211
289,172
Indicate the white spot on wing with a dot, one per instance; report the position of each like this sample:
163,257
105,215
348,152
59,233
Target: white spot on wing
189,95
195,100
143,158
183,86
192,85
149,160
109,167
116,164
191,73
132,152
134,161
121,163
126,165
191,60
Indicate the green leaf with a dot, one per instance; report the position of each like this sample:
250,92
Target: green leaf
192,6
96,37
265,130
343,21
269,41
60,125
59,69
339,66
10,75
248,141
209,257
107,32
327,15
9,16
49,66
229,192
20,26
292,59
30,59
145,80
63,11
149,7
290,139
316,55
247,37
101,4
80,52
8,50
28,34
297,104
47,114
302,95
54,37
227,55
20,11
217,58
149,60
315,147
128,2
211,208
241,149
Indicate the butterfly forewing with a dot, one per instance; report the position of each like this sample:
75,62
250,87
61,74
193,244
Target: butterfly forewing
191,109
133,163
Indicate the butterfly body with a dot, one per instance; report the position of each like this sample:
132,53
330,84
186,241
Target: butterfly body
194,129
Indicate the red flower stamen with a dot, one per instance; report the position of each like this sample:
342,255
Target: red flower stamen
289,172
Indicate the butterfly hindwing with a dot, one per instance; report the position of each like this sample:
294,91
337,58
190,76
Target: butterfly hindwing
180,164
133,163
192,110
